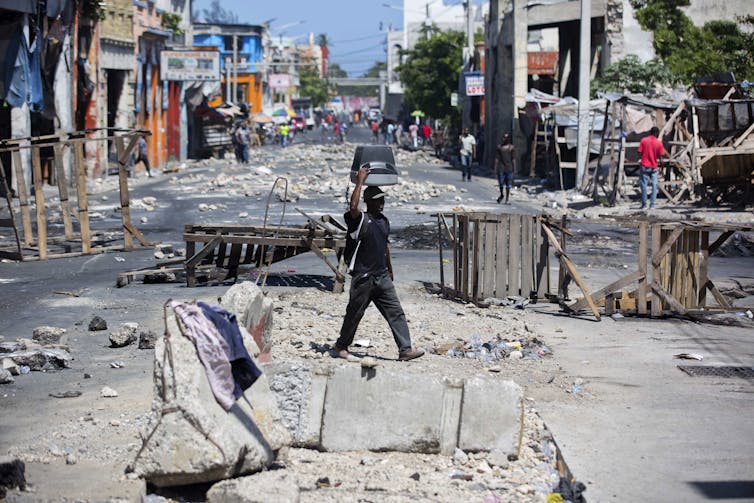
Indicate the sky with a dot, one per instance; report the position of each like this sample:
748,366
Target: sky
356,29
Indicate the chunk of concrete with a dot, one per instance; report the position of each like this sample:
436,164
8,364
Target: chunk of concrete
300,392
379,410
190,438
491,418
276,486
254,312
42,359
124,335
45,335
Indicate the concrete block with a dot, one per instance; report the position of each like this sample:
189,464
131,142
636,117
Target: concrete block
380,410
450,419
491,417
254,312
190,438
276,486
300,392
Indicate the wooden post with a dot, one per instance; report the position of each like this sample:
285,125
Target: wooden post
514,255
703,271
125,210
86,238
527,259
439,246
501,260
23,198
65,208
641,292
543,261
39,197
656,309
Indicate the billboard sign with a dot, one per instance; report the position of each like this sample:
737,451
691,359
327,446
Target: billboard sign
190,65
474,84
279,80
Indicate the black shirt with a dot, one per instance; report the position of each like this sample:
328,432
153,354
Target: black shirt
370,257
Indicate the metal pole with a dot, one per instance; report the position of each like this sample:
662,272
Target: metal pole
235,68
584,60
469,32
227,80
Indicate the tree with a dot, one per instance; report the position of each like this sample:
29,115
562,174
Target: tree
430,72
217,15
631,75
311,85
334,71
690,51
374,71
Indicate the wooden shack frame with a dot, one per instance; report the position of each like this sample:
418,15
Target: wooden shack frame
496,256
29,247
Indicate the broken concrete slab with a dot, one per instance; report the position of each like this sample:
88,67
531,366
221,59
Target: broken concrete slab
42,358
6,377
97,323
190,438
45,335
275,486
254,312
147,339
491,418
300,392
353,408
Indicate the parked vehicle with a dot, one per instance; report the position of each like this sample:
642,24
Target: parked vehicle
298,122
303,107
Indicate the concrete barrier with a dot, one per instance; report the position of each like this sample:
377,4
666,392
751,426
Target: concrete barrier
190,438
347,407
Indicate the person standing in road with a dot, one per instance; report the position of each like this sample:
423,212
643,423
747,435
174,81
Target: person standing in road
505,166
375,131
243,139
468,153
371,271
143,157
390,138
413,130
651,149
284,130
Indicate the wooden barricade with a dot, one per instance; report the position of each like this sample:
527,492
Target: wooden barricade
496,256
225,250
29,247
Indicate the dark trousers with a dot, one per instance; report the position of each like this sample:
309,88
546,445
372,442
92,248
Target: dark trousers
380,290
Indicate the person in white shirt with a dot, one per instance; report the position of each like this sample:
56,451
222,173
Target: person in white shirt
468,153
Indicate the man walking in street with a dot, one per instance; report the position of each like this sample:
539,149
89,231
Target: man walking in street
650,148
468,153
284,130
505,166
371,271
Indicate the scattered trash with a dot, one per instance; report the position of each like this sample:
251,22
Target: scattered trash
362,343
460,475
369,362
617,316
65,394
689,356
117,365
325,482
119,259
749,314
24,369
415,476
575,389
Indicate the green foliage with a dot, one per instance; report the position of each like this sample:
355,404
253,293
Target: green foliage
311,85
334,71
631,75
690,51
92,9
172,21
374,71
217,15
430,73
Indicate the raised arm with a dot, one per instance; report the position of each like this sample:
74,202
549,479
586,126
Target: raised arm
356,194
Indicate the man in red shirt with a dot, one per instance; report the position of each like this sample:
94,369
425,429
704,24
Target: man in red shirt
650,149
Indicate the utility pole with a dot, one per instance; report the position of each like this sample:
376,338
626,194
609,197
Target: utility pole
585,36
235,69
227,80
469,32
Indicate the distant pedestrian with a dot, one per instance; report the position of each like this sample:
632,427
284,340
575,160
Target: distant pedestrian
375,131
413,130
426,133
284,130
505,166
468,153
650,149
243,139
143,157
390,134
